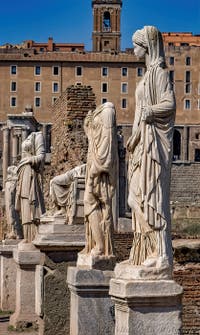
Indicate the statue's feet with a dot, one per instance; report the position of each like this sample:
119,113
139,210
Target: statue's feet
11,236
96,252
24,240
150,262
60,212
162,262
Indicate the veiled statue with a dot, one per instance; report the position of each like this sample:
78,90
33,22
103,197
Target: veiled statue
100,128
63,192
12,217
29,195
150,155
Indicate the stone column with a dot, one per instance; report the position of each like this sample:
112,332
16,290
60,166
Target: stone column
14,148
6,147
8,275
150,307
27,258
91,309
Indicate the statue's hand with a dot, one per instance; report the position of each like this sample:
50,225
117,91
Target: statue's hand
147,114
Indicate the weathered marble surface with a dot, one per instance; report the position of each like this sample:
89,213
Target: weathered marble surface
92,311
7,275
63,191
53,232
150,154
100,128
25,311
29,195
12,216
146,307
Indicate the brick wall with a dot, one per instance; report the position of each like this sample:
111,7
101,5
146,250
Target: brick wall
185,182
69,142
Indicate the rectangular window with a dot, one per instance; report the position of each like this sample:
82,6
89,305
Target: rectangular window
139,71
104,87
187,88
104,71
124,71
37,70
187,77
171,60
187,61
37,86
55,87
79,71
13,86
187,104
103,100
13,101
13,69
124,88
37,101
55,70
124,103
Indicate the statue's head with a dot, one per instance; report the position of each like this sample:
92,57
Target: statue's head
148,40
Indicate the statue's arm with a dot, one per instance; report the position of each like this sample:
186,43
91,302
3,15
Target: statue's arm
166,105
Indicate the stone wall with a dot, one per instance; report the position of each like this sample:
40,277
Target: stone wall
185,195
69,142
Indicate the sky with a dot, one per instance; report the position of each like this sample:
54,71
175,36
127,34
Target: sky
70,21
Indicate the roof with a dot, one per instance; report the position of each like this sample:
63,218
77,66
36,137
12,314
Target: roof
101,57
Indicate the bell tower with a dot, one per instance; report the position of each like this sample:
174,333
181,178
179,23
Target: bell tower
106,34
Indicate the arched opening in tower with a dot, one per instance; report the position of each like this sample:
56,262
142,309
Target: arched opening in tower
106,21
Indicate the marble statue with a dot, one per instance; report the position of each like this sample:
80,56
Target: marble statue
13,225
63,192
150,155
100,128
29,196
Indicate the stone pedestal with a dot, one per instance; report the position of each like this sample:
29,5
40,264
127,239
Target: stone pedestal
27,258
54,233
92,311
8,275
60,244
150,307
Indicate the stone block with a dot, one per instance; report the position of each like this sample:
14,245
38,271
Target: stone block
101,262
25,312
59,235
91,307
146,307
8,275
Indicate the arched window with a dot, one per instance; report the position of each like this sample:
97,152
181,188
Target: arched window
106,21
176,145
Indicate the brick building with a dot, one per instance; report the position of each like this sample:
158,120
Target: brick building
36,74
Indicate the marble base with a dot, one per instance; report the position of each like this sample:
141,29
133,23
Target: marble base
150,307
96,262
54,232
27,261
92,311
125,270
8,275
